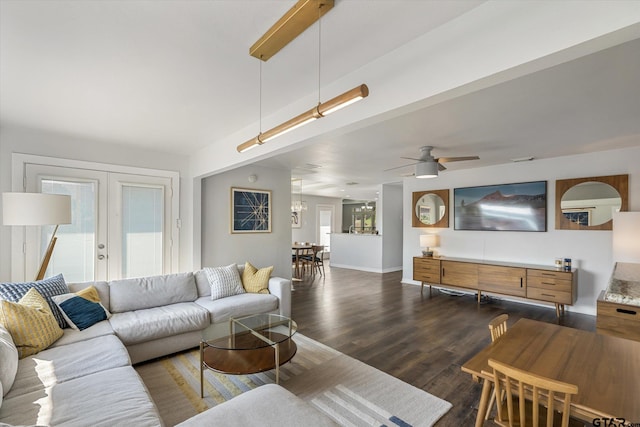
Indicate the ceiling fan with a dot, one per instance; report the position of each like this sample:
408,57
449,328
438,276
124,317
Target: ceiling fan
427,166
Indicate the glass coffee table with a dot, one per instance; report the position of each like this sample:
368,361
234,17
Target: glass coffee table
255,343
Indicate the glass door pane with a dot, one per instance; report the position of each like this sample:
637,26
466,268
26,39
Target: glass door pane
74,253
80,250
142,230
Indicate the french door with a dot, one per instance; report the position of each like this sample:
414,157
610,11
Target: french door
121,224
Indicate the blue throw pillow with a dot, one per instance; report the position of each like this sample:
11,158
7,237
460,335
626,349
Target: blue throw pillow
79,312
47,288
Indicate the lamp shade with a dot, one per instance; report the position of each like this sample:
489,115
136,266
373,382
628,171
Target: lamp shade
428,240
426,170
35,209
625,241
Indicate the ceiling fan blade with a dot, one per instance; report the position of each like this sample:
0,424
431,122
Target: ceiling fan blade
411,158
441,167
398,167
456,159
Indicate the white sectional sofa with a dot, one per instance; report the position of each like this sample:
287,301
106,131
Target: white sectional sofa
86,379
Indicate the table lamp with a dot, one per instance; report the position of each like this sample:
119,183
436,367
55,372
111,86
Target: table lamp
427,241
37,209
625,242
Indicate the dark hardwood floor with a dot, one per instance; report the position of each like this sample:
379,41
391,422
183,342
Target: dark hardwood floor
419,339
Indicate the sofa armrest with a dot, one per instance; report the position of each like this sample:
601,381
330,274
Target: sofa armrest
282,289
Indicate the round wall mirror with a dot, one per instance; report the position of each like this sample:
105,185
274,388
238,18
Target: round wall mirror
430,208
590,203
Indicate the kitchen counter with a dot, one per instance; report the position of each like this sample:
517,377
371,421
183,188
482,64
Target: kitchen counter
363,252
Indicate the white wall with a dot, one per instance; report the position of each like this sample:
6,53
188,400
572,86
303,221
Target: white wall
591,251
308,230
220,247
14,139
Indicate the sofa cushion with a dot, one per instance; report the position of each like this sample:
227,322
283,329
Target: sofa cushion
267,405
48,287
8,361
254,280
202,283
238,305
145,325
82,309
65,363
115,397
98,330
30,323
149,292
101,287
225,281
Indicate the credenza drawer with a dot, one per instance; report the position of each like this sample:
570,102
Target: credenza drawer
549,275
428,277
549,283
550,295
426,269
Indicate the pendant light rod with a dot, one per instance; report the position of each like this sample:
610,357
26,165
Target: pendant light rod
321,110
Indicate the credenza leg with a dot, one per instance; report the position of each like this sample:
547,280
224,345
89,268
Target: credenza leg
479,296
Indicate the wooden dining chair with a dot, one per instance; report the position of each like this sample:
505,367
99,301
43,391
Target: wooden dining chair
318,258
314,260
530,399
497,327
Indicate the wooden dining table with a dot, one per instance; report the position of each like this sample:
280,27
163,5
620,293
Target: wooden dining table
606,369
299,249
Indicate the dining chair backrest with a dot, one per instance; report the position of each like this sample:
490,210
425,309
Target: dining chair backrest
498,326
539,391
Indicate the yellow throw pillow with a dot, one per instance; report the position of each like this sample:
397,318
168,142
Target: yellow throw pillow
254,280
30,323
90,293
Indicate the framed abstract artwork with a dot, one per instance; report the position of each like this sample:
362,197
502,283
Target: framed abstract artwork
296,219
504,207
250,210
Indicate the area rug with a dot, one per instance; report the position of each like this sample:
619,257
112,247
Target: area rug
352,393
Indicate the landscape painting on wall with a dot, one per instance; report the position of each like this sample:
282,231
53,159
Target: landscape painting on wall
504,207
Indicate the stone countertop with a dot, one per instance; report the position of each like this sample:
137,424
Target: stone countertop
624,285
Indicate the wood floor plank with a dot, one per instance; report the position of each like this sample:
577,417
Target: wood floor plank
420,339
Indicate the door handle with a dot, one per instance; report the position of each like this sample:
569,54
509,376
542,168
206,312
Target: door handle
101,257
101,246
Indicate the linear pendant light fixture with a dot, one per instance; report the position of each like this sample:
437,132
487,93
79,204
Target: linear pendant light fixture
321,110
300,17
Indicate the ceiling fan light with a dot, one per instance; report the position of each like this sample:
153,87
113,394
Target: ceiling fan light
427,170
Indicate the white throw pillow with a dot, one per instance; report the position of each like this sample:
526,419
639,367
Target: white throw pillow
224,281
9,364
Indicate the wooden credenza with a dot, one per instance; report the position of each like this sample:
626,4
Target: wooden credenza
535,282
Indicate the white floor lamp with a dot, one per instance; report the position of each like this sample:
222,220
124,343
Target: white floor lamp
37,209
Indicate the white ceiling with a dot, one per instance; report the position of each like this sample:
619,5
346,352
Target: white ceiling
176,75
